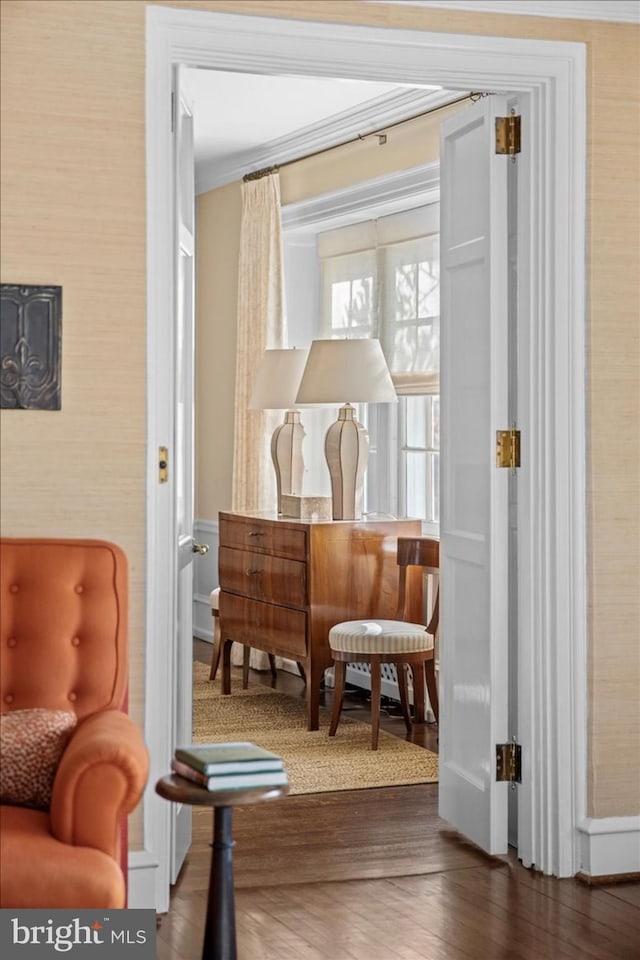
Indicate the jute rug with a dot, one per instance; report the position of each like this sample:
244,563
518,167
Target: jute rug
315,763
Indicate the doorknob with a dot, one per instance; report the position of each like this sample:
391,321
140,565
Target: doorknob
200,548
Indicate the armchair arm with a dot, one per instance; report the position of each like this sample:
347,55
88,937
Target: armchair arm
100,779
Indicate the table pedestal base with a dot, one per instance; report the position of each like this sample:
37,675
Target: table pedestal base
220,930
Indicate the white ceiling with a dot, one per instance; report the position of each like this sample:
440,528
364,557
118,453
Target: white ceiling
244,122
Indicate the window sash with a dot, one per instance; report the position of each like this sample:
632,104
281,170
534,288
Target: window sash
389,291
378,283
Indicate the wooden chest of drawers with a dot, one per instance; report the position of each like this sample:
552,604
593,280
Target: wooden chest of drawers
285,583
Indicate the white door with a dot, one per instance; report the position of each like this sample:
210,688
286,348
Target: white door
474,524
183,446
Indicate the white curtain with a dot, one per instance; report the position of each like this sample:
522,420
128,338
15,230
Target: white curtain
261,326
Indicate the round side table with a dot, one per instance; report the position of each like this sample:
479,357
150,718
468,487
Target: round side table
220,928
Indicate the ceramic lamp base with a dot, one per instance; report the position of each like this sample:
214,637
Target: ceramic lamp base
346,448
286,453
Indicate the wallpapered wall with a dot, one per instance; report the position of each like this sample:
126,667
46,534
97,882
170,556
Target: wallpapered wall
73,213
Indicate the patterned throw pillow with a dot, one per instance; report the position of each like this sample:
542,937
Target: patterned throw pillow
31,744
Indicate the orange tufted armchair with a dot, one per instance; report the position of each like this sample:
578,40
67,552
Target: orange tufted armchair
63,639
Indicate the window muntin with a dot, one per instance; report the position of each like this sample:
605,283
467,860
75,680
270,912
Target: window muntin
392,290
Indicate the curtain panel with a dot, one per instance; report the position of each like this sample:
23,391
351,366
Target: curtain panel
261,325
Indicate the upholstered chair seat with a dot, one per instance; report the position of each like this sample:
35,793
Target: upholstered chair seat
379,636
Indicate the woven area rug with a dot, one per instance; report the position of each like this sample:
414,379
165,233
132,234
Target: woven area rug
315,762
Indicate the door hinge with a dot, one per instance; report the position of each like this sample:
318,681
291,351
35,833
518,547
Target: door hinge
508,448
508,762
163,464
508,135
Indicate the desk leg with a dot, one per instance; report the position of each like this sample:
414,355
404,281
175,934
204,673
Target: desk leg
315,673
220,930
226,665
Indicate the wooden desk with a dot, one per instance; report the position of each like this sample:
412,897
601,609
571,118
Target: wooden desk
285,583
220,929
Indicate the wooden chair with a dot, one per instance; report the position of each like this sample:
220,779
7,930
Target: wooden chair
392,641
214,600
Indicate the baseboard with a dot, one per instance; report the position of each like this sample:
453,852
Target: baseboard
609,848
202,626
608,879
142,880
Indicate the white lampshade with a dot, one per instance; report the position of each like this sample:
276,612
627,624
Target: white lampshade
275,388
277,380
339,371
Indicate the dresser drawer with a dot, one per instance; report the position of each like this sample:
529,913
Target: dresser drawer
264,536
263,625
263,577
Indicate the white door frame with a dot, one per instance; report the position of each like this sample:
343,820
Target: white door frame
552,561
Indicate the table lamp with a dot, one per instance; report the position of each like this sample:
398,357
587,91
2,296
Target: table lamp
341,371
275,388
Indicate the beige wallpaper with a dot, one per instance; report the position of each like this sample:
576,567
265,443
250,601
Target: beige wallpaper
217,244
73,213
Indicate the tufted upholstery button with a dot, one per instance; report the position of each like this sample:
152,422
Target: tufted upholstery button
73,696
11,642
79,588
76,641
8,698
14,588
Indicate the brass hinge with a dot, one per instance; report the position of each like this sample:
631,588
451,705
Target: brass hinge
508,448
163,464
508,762
508,135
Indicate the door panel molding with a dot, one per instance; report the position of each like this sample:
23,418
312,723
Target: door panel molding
552,552
474,529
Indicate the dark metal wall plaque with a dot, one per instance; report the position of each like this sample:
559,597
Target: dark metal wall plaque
30,344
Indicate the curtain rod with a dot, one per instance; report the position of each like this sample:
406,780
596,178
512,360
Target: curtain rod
266,171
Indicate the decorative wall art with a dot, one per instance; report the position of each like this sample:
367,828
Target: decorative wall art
30,346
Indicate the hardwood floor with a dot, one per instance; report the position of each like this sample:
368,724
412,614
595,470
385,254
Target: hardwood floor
375,875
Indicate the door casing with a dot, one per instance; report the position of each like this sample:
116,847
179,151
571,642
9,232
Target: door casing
552,527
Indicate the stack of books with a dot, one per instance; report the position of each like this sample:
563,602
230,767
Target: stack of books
229,766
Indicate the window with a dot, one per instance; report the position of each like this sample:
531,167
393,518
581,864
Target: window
381,278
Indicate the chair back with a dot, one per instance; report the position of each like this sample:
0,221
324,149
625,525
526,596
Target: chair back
418,552
63,625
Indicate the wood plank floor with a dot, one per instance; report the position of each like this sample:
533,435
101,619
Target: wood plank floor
375,875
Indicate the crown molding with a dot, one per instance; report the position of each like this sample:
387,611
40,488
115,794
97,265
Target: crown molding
616,11
380,112
414,186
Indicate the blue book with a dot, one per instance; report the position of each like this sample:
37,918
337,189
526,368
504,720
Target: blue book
231,781
214,759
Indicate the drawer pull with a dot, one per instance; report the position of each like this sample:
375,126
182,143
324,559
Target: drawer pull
256,533
251,573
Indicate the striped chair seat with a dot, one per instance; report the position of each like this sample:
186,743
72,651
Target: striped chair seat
379,637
